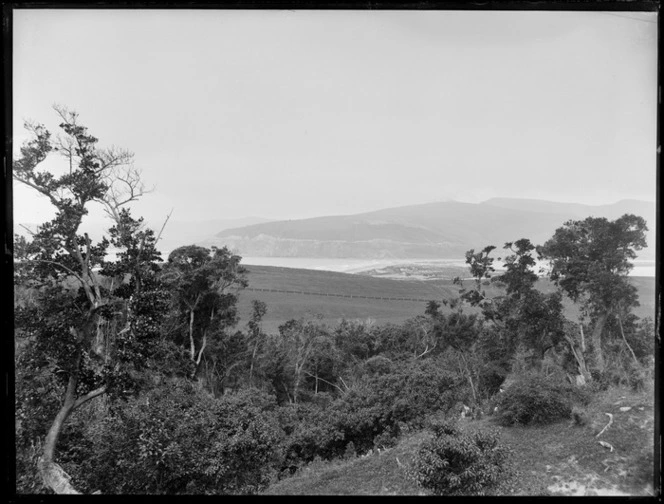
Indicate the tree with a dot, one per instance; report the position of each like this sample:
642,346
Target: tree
481,269
590,260
256,336
459,331
534,318
523,317
88,331
204,283
299,354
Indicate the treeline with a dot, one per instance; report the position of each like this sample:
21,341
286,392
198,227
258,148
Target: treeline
136,376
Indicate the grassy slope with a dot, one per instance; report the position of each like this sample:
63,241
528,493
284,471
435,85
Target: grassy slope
558,459
282,307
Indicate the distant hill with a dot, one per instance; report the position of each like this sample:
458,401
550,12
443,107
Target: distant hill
176,233
433,230
645,209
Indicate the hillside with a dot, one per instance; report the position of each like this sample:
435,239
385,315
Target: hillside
561,459
433,230
363,305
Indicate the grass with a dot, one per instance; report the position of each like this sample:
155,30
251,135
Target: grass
378,473
283,307
560,459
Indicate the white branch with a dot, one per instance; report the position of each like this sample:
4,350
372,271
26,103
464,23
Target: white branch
607,425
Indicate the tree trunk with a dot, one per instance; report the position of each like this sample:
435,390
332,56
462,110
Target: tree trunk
192,345
296,385
470,378
582,368
622,332
597,341
316,390
251,367
52,474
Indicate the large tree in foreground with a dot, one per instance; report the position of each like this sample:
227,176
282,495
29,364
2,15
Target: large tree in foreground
590,261
88,325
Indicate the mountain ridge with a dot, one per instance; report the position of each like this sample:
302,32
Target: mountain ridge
444,229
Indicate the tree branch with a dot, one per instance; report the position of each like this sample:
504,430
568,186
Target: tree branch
324,380
200,352
622,332
71,272
90,395
163,226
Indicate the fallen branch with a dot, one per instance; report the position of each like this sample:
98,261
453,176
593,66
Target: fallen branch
606,445
607,425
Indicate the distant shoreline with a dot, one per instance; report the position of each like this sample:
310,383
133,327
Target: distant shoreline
642,268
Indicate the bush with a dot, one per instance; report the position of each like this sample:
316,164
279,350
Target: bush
371,414
454,463
310,432
622,371
177,439
580,416
537,399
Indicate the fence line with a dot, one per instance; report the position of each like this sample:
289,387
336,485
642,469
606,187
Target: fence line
349,296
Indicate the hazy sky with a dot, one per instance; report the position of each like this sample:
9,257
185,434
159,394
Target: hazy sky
284,114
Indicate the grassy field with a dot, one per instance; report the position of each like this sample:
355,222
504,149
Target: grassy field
283,306
561,459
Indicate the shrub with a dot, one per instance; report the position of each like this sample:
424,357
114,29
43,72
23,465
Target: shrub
454,463
177,439
371,414
622,371
350,452
580,416
310,432
537,399
379,365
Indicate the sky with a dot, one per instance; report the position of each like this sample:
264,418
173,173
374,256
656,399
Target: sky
295,114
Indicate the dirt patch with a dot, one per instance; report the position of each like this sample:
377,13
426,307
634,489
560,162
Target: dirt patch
570,479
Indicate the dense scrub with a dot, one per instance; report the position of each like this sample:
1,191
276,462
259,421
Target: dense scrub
535,398
177,439
456,463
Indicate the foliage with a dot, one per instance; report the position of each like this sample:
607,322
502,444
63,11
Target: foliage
37,400
177,439
580,416
204,285
372,413
481,269
590,260
592,256
534,398
310,432
455,463
303,352
90,322
355,340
